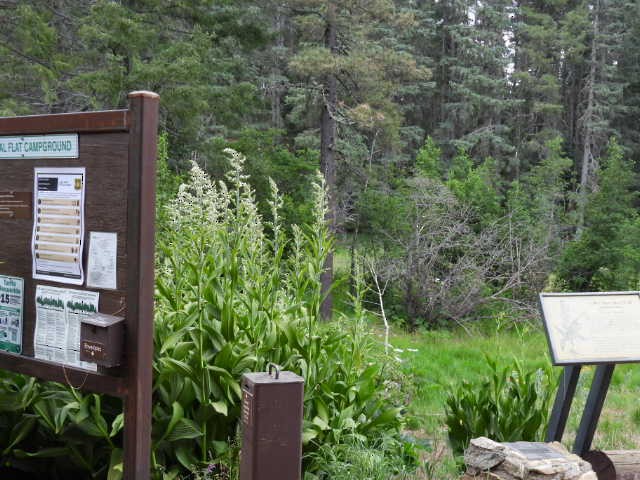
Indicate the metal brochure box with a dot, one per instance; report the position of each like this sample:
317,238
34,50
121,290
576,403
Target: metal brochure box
101,339
271,426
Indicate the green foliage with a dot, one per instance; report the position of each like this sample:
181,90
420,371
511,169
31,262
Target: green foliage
512,404
268,159
228,301
605,257
358,460
477,187
429,158
635,417
89,55
547,182
167,180
538,207
46,428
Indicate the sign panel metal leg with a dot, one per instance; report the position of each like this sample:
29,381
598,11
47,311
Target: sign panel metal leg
593,408
562,404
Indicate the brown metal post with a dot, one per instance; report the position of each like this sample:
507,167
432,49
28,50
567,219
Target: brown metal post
140,289
271,426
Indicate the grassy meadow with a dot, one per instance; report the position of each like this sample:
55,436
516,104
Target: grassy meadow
434,359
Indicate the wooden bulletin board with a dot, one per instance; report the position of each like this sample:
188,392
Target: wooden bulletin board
118,151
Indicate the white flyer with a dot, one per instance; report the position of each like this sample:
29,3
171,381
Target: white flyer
11,312
103,258
58,315
58,228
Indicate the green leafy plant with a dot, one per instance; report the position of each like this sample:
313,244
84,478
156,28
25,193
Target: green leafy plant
233,293
511,404
232,301
354,459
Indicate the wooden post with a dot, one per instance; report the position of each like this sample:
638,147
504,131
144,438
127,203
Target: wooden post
272,411
601,464
140,290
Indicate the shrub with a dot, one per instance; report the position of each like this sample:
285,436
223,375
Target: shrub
511,405
233,293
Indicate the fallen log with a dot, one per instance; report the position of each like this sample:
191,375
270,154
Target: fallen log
625,462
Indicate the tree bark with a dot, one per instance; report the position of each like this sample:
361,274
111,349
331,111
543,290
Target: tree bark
276,89
588,160
328,130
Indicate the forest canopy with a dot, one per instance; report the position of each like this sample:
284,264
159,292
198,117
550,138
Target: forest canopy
482,150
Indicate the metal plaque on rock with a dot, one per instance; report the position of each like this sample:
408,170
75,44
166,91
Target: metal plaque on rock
535,450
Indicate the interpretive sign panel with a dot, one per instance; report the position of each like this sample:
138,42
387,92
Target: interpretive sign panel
70,180
592,328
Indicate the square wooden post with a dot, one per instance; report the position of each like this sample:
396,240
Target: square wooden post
140,289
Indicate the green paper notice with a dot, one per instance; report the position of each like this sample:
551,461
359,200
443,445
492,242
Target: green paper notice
11,310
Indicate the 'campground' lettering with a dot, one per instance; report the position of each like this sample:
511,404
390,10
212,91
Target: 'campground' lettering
44,146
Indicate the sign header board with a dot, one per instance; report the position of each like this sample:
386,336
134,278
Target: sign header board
592,328
39,146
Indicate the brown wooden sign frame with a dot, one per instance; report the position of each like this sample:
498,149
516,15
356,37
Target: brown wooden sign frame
135,132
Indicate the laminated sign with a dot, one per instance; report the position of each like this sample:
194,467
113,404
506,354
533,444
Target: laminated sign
58,229
11,311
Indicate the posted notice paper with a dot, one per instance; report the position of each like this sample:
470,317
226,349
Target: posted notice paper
58,228
11,311
58,315
102,264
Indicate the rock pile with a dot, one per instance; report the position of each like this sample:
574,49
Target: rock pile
486,459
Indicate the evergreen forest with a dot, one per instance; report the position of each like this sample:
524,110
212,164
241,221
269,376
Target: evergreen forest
464,144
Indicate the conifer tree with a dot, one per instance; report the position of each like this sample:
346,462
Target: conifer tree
590,262
535,81
592,33
472,77
73,55
354,70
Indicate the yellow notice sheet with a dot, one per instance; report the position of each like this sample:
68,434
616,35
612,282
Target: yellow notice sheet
58,227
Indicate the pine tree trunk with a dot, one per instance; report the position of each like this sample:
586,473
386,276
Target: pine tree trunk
588,160
276,87
328,129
